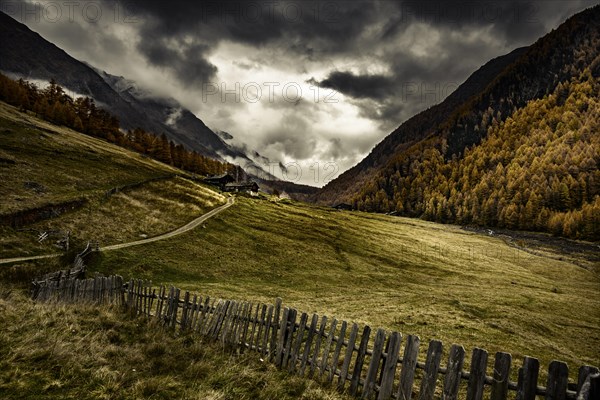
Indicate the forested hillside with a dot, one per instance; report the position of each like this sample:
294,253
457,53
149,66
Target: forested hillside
82,114
538,170
520,151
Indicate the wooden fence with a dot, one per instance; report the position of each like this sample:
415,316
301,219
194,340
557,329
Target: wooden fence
50,283
97,290
362,362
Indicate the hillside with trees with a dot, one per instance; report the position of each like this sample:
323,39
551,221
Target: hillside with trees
83,115
521,153
537,170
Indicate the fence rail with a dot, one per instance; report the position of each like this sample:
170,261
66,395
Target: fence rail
364,363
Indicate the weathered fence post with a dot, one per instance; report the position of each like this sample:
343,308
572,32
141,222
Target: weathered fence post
336,354
409,364
276,323
298,343
315,357
185,311
360,359
289,337
590,388
501,376
477,374
528,375
432,366
348,357
308,344
558,379
389,368
266,335
281,338
327,348
453,373
584,372
376,356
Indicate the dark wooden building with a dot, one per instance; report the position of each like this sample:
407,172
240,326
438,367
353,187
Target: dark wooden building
343,207
237,187
219,180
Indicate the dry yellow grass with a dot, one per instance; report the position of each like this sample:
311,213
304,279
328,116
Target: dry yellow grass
406,275
87,352
411,276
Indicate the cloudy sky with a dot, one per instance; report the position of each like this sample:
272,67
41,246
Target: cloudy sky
314,84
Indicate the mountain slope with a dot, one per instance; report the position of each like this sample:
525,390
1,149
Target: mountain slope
416,128
26,54
538,170
405,171
502,85
54,178
168,116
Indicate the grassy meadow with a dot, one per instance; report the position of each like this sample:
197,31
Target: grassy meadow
415,277
43,164
150,210
407,275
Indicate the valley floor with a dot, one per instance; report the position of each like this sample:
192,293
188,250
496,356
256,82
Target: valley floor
407,275
437,281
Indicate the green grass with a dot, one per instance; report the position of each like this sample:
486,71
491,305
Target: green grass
49,164
437,281
407,275
68,352
43,163
147,211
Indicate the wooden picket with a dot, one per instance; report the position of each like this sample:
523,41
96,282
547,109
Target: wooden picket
453,372
409,365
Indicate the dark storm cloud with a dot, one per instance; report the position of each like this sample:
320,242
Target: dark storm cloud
308,28
515,20
180,35
358,86
389,58
259,22
188,62
465,29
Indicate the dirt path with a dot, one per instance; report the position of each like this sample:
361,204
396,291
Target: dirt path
176,232
188,227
